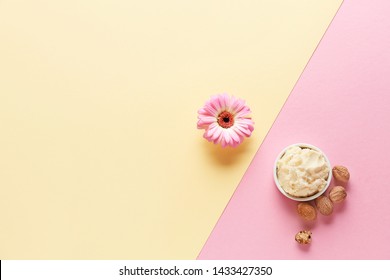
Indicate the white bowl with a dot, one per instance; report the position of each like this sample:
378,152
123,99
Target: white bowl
303,145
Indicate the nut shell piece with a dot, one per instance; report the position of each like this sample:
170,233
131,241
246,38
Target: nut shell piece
306,211
341,173
324,205
303,237
337,194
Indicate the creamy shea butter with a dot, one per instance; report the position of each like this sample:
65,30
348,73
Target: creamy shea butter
302,172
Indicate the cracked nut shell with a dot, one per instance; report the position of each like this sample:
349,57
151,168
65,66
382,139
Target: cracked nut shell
303,237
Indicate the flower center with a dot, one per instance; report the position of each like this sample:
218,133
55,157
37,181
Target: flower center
225,119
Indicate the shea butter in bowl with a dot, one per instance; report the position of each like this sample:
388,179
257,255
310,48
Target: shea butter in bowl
302,172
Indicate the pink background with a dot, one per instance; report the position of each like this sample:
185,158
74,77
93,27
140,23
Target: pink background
342,105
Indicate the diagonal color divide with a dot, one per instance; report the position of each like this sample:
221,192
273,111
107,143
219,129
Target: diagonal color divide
340,104
99,153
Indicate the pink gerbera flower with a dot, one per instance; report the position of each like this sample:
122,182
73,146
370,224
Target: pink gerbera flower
225,120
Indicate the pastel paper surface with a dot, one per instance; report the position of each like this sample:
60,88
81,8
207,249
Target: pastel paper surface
100,157
341,104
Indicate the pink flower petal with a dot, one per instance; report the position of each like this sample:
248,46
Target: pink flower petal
214,103
221,104
211,130
227,136
205,121
234,135
243,112
221,140
226,101
248,123
204,112
217,133
244,121
244,130
217,140
239,132
238,106
210,110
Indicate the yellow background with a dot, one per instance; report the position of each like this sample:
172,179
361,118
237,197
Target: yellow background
100,157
